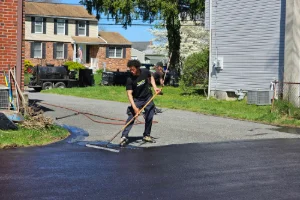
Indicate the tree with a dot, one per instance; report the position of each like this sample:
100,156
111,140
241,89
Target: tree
193,39
125,11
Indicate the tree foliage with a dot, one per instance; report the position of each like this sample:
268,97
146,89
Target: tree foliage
170,11
193,39
195,69
74,65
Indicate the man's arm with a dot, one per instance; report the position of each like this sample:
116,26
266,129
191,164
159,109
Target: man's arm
156,89
131,101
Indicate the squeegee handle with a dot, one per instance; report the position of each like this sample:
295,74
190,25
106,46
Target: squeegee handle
130,121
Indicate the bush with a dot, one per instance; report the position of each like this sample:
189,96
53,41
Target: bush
195,70
74,65
27,64
99,71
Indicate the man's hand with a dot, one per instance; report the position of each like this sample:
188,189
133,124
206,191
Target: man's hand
136,110
157,90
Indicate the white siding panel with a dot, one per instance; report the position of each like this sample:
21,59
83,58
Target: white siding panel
249,35
50,36
93,29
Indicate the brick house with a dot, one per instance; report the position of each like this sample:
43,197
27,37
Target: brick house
11,38
55,33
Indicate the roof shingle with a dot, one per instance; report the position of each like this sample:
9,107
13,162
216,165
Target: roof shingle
58,10
88,40
113,38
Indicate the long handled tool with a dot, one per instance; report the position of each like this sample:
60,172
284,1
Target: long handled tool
105,147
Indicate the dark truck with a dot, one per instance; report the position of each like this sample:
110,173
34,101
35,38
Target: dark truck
44,78
120,78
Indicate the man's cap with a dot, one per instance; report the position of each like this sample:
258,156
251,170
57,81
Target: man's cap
160,64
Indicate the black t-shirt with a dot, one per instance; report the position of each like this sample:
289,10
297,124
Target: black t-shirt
139,84
157,76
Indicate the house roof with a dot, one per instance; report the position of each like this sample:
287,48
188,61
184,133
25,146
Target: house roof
88,40
57,10
141,46
113,38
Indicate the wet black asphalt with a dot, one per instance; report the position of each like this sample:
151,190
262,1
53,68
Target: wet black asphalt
264,169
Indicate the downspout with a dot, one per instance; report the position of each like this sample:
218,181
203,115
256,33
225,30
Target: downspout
19,43
210,48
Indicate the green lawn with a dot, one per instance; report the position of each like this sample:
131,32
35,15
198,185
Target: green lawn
28,137
174,98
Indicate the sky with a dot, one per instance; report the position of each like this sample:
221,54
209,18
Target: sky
133,33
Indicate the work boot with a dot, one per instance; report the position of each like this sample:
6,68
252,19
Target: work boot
124,141
148,139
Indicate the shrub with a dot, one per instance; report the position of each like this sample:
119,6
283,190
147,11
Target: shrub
195,70
74,65
27,64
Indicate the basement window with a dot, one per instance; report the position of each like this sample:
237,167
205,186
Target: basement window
60,50
37,50
115,52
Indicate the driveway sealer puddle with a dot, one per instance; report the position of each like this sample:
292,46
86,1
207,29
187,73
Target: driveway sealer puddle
78,135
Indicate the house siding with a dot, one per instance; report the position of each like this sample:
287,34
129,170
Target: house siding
9,38
112,64
50,36
49,55
138,54
250,38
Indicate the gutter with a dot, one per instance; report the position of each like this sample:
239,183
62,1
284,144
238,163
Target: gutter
61,17
210,49
103,39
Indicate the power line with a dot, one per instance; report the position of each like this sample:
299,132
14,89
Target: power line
106,24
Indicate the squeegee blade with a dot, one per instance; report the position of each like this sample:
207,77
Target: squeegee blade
103,148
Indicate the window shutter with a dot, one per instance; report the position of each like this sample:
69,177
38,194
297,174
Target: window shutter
31,49
43,50
54,50
44,25
87,54
32,25
55,26
124,52
65,51
107,52
87,28
76,29
66,27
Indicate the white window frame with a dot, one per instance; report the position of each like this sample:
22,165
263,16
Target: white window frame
34,46
115,52
38,21
61,21
80,23
63,50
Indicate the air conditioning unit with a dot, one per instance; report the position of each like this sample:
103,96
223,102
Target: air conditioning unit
4,98
259,97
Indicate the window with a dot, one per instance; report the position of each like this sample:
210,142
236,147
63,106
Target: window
61,26
81,28
37,50
115,52
60,50
38,25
